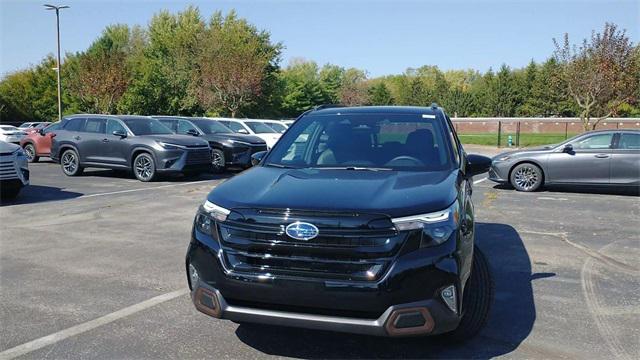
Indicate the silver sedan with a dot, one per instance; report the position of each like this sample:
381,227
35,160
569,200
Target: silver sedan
603,157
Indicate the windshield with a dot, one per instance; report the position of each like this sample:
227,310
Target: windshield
277,127
143,126
260,127
367,141
211,127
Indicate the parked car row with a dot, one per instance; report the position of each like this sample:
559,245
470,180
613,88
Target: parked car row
11,134
149,146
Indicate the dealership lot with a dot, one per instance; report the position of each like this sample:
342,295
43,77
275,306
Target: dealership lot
97,262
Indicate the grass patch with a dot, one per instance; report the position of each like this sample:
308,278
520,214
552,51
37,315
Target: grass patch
526,140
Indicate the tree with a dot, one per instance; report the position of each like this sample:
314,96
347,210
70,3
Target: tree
233,64
303,87
353,90
600,74
379,94
162,73
331,77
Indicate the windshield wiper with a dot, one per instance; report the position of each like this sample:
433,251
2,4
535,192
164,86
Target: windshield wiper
280,166
354,168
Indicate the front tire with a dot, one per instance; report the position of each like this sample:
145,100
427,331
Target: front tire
526,177
70,163
144,167
476,301
217,161
30,152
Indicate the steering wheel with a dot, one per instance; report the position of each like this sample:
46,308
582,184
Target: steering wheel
403,160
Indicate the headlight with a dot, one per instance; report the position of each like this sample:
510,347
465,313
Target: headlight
436,227
208,212
19,152
170,146
238,142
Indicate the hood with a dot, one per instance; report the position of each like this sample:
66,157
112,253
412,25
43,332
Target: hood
533,150
6,147
185,140
393,193
251,139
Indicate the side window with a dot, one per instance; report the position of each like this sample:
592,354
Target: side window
51,128
75,124
96,126
184,126
594,142
114,125
629,141
171,124
236,127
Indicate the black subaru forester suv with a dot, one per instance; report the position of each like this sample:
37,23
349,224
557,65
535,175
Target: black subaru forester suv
359,220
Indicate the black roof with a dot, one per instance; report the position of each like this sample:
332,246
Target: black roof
377,110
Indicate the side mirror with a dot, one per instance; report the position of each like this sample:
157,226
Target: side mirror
193,132
120,133
257,157
568,148
477,164
243,131
41,132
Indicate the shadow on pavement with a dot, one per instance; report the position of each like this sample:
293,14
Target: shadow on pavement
510,322
582,189
123,174
37,193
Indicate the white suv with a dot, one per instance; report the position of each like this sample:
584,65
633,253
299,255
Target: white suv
252,127
14,170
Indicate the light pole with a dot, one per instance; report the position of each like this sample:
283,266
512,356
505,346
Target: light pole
57,9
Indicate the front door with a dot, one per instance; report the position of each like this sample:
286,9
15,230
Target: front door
117,148
588,163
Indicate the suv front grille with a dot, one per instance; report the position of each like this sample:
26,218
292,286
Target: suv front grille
198,156
257,244
7,169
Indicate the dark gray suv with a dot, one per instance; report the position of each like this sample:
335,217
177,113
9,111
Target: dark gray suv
135,143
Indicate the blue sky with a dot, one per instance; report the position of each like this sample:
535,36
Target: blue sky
382,37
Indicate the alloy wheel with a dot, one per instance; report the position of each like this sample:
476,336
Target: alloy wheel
30,152
144,168
526,178
217,160
69,162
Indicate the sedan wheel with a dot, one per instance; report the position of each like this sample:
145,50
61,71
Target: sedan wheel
526,177
144,167
30,152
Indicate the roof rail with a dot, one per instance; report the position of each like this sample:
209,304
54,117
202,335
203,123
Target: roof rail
326,106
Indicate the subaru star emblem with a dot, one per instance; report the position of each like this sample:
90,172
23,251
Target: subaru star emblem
301,231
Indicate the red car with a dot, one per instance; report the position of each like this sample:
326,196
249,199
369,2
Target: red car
38,143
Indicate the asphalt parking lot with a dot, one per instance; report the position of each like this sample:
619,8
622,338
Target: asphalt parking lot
93,267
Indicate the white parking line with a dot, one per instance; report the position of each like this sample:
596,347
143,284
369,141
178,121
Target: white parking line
89,325
142,189
552,198
479,181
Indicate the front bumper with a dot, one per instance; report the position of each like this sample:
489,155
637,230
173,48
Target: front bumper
399,320
177,161
413,284
240,155
499,171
